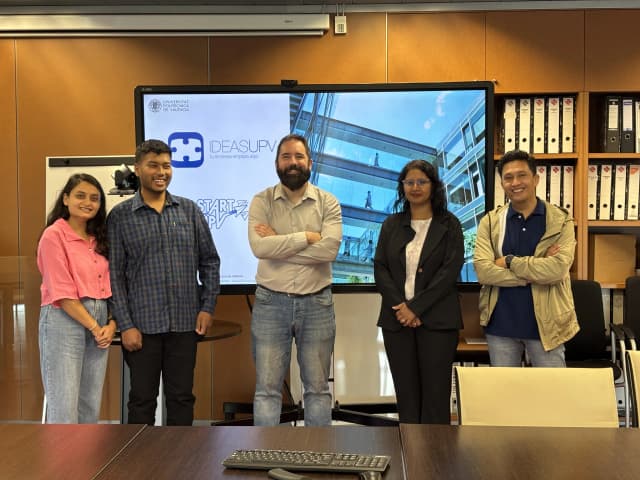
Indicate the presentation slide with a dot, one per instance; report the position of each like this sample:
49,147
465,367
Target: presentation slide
224,153
224,148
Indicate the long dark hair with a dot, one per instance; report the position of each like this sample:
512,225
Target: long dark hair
438,196
97,226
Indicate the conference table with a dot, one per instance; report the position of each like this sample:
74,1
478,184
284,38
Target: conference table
197,452
522,453
35,451
418,452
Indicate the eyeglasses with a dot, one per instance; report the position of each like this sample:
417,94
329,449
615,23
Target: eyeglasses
412,183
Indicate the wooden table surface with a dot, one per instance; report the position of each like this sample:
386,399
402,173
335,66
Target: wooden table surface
34,451
418,452
472,352
197,452
220,329
522,453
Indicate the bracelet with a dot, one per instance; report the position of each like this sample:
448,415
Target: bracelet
94,327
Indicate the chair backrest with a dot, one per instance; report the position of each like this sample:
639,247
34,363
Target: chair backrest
632,304
591,341
633,372
544,397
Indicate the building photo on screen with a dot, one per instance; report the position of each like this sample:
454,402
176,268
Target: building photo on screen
224,142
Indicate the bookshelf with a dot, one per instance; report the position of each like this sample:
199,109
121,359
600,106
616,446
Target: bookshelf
595,132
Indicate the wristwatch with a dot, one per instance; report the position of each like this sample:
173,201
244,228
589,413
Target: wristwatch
508,259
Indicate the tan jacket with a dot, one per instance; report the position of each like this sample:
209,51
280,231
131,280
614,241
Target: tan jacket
549,276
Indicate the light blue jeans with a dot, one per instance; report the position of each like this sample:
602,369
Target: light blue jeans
507,352
277,319
72,365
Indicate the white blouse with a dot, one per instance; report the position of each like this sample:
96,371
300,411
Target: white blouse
413,249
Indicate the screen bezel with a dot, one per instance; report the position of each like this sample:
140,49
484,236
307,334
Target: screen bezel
291,86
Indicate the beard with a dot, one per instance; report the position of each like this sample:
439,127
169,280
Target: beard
294,177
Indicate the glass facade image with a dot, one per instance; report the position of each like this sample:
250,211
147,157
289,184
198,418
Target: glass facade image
358,154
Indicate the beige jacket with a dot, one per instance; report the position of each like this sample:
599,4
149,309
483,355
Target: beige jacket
549,276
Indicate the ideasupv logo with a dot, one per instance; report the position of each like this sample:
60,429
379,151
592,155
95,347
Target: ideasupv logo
187,149
241,148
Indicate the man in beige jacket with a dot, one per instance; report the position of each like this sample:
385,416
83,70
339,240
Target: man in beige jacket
523,254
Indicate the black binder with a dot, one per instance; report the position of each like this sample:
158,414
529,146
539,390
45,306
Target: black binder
612,114
627,130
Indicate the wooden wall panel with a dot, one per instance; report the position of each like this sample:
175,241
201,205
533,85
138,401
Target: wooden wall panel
10,290
612,60
357,57
111,391
442,47
8,154
536,51
75,97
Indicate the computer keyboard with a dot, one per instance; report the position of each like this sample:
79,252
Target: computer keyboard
306,461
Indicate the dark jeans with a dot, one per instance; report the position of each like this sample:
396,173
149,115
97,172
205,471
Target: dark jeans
420,362
173,355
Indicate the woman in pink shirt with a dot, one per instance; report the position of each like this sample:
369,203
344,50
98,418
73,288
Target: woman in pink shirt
74,330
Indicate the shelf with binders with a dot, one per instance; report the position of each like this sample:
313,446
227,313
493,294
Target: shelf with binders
613,191
543,124
613,121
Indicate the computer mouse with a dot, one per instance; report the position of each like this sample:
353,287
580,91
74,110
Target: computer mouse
370,475
281,474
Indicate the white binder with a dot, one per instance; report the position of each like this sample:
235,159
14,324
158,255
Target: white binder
592,192
553,125
633,191
509,124
541,189
567,124
619,192
604,193
524,124
498,191
555,185
538,138
567,188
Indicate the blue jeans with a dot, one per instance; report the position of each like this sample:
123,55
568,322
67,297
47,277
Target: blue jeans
507,352
72,365
277,319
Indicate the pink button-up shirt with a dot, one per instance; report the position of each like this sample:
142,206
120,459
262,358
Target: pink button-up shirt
70,266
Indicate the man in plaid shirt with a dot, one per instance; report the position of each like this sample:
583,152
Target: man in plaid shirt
160,245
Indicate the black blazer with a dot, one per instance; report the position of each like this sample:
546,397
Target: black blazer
436,299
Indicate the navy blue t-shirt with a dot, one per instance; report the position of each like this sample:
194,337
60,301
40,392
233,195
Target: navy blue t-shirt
514,316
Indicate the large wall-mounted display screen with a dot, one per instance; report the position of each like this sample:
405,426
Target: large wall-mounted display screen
224,141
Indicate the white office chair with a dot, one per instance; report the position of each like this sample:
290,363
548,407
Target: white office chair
544,397
633,373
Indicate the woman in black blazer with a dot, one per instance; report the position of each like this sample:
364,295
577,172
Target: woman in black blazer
418,259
